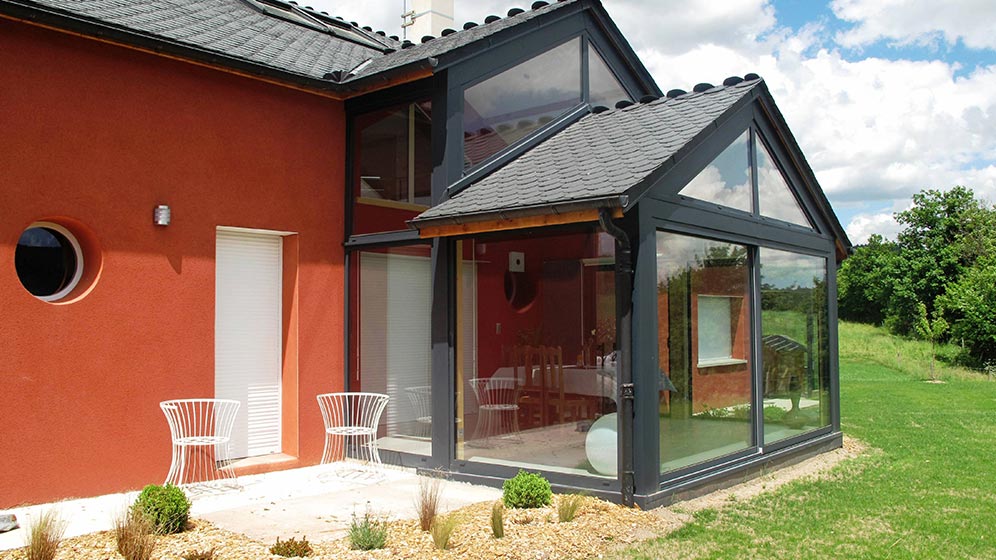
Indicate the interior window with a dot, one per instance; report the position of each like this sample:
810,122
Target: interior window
604,88
775,198
505,108
726,181
393,166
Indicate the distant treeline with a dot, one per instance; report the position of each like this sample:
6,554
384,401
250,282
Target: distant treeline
936,281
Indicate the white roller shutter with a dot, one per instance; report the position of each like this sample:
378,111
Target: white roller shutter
395,329
248,336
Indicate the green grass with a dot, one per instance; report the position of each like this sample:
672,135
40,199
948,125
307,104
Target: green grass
925,490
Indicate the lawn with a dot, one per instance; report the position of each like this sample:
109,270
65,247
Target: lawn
925,490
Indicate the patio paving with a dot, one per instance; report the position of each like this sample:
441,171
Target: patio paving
312,501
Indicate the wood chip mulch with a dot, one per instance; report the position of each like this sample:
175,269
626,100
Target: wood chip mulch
529,534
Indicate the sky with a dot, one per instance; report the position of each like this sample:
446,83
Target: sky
885,97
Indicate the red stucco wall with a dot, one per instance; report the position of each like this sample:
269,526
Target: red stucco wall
101,134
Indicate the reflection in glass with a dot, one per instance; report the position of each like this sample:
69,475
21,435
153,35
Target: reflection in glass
505,108
537,315
794,343
704,348
726,181
393,167
775,198
390,344
604,88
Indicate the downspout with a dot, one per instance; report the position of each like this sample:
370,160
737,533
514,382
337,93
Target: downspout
624,314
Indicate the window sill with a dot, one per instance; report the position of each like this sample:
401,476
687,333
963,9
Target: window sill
719,362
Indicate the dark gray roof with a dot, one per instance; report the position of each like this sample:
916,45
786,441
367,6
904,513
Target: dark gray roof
236,30
229,27
449,43
597,159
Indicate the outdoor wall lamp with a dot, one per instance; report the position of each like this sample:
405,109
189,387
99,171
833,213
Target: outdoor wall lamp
161,215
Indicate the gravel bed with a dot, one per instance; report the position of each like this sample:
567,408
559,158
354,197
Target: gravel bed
529,534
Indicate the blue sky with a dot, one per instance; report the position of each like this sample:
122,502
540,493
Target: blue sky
886,97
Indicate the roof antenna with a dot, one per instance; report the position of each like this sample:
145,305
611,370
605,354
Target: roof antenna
407,19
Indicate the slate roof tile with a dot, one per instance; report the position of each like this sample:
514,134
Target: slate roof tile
234,28
608,153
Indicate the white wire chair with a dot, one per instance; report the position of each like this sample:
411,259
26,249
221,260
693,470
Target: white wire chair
351,421
201,433
421,401
498,407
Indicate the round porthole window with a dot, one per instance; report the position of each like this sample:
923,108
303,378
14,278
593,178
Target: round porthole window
48,260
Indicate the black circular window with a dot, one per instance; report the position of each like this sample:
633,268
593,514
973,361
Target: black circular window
48,261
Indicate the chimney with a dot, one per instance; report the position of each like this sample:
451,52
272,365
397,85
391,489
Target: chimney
428,17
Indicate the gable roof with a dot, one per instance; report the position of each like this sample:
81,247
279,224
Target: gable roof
595,161
610,159
290,43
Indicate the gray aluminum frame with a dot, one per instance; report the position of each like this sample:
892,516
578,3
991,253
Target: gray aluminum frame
660,208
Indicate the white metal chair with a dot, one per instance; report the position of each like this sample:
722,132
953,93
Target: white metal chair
498,407
351,418
201,431
421,401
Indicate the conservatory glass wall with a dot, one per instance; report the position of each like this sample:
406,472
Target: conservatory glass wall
536,349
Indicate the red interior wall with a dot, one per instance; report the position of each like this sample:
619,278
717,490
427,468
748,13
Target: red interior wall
102,134
493,308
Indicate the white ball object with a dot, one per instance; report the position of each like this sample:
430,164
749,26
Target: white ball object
601,445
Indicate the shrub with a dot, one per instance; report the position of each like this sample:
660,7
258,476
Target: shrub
526,490
166,507
568,506
44,535
133,533
498,520
292,548
442,530
367,533
207,554
427,500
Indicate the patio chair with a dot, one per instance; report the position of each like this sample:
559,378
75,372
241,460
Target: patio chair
201,433
498,407
351,421
421,401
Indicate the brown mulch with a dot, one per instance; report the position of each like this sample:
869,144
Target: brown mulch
529,534
599,528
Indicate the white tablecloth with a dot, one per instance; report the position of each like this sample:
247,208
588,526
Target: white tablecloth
588,381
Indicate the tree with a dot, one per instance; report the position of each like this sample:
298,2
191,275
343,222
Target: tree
866,279
937,244
970,304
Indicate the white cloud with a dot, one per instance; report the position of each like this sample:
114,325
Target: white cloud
917,22
860,228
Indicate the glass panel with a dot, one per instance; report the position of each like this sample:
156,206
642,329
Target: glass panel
540,390
393,167
704,344
775,198
604,88
503,109
390,342
794,343
45,261
726,181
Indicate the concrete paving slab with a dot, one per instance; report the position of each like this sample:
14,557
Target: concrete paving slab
317,502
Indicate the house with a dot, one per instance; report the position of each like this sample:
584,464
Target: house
542,259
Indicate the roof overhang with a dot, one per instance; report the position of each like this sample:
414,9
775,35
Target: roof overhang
520,218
